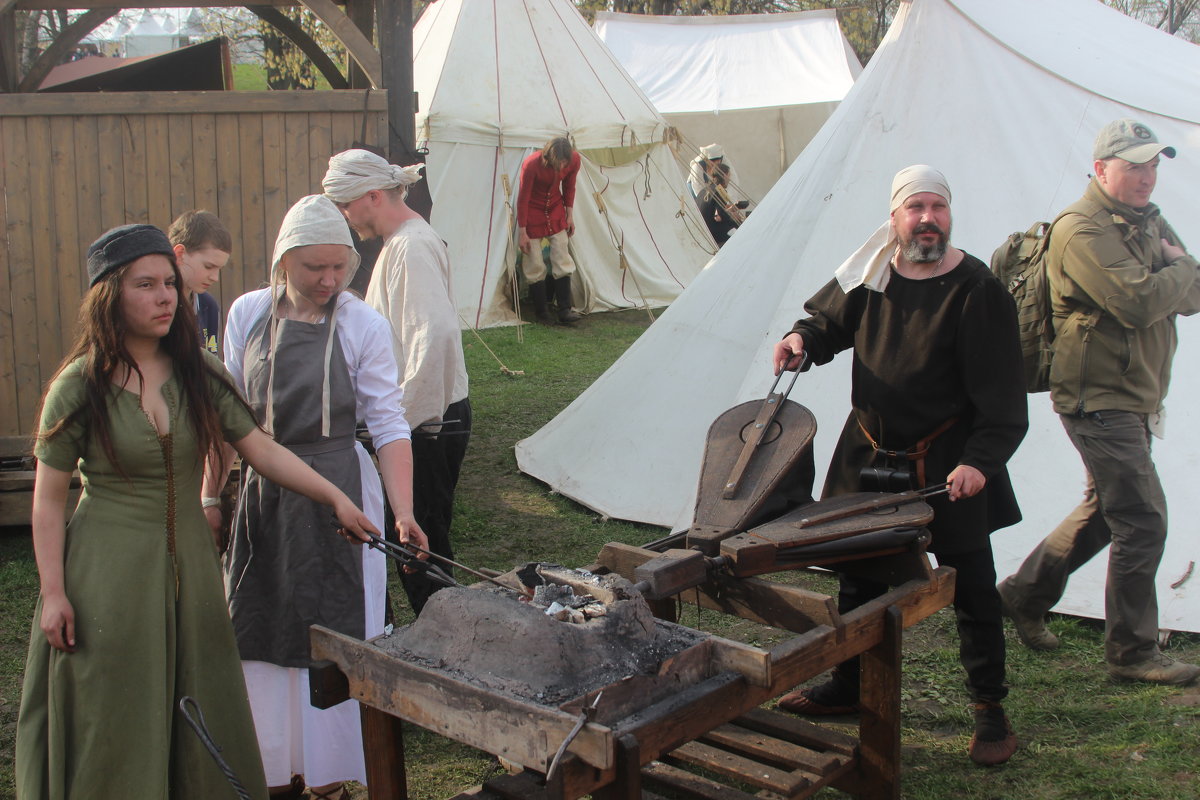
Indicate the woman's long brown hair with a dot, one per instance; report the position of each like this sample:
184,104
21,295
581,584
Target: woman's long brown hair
101,343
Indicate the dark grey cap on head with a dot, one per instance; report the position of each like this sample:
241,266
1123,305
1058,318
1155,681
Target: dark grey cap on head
123,244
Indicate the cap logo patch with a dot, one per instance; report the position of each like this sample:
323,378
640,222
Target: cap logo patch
1142,132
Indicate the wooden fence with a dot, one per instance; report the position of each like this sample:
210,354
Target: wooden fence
75,165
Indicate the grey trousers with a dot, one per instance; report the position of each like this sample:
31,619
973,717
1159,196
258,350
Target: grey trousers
1123,505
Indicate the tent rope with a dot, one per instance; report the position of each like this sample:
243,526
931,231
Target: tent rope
503,367
617,237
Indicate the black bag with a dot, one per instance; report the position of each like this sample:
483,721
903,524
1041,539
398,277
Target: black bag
1020,264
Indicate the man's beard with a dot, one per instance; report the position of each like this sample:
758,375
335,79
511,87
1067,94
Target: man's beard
917,253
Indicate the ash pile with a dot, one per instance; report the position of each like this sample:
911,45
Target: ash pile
562,634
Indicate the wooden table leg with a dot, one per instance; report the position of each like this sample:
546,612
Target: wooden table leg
879,729
383,748
627,785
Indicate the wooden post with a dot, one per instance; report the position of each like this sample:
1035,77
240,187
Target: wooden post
362,14
383,747
394,18
10,48
879,728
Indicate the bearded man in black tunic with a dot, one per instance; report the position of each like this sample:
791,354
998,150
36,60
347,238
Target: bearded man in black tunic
937,368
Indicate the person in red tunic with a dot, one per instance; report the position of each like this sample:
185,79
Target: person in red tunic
544,211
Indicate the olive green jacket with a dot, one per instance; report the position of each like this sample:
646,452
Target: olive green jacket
1114,300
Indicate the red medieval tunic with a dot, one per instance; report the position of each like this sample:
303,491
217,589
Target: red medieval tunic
545,195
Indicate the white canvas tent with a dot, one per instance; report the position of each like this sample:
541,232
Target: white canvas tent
760,84
494,84
1010,113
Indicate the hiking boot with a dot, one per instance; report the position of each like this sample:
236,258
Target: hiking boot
1159,668
1032,631
994,741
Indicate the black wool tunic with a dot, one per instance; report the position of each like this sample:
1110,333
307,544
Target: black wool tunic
928,351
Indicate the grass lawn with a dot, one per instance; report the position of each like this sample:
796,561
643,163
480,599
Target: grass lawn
1081,735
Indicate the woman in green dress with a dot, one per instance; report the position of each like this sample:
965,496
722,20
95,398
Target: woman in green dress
132,613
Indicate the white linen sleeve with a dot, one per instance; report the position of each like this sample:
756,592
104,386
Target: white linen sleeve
379,400
237,326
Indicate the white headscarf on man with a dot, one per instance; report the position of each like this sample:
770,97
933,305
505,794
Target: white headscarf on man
312,220
868,265
353,173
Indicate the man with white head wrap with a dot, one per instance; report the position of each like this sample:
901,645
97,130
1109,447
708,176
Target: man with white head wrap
311,360
937,395
412,288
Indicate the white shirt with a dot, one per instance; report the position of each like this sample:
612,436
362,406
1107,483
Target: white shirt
411,288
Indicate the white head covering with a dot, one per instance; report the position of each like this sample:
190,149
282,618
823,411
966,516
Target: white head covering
713,150
353,173
868,265
312,220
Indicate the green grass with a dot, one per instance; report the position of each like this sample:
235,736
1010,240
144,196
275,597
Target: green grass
253,78
1082,736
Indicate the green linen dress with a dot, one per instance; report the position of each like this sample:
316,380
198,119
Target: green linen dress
151,625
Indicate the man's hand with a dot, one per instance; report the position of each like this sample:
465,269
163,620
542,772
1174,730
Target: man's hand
1172,251
965,481
787,352
524,242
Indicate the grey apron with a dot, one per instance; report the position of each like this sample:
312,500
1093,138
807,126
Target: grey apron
286,568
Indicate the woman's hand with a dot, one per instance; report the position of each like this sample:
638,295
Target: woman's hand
58,622
410,533
355,525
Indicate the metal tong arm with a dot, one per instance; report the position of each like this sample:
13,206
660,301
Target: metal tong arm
407,558
762,424
585,716
867,506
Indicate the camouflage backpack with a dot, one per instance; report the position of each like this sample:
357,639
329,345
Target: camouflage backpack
1020,264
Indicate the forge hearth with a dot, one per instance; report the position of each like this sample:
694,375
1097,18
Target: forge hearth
498,640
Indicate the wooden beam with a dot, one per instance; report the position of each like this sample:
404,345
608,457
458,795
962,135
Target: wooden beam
63,44
296,35
76,103
396,50
362,14
9,50
358,46
47,5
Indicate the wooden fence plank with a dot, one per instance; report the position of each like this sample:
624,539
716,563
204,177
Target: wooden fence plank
255,247
88,190
229,196
133,155
296,151
8,343
110,136
158,171
49,327
67,264
26,368
320,148
275,169
179,145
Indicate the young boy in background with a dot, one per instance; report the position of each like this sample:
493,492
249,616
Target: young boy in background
202,246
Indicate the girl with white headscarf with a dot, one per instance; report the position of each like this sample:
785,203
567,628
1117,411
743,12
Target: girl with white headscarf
311,360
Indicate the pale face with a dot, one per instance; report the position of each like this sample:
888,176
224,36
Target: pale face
315,273
201,268
360,213
1131,184
149,297
922,225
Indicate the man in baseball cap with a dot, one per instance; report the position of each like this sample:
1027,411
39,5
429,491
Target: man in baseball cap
1119,276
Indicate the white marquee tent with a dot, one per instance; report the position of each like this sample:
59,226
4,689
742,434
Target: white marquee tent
495,83
760,84
1008,110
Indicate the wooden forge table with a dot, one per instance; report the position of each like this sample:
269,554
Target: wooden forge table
714,723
